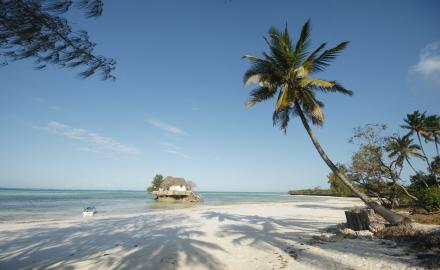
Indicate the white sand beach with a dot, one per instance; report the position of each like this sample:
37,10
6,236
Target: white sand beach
246,236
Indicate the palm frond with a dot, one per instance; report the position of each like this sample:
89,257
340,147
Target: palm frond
302,44
307,65
252,58
261,69
324,85
280,51
336,88
314,82
282,117
260,94
312,107
284,99
287,39
283,73
327,57
414,122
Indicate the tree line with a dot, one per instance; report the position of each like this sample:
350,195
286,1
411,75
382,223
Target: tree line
376,166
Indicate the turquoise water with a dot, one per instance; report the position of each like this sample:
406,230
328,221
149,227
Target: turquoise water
36,204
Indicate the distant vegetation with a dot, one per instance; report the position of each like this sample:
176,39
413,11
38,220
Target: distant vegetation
337,187
376,166
378,163
315,191
155,184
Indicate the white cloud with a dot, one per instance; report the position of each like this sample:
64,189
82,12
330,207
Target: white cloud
429,63
89,137
169,145
177,153
166,127
89,150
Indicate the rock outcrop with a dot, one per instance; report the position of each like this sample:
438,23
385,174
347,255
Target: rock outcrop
173,196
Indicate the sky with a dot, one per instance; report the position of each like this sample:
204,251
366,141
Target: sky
177,105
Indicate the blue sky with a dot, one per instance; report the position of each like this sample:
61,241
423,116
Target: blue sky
177,106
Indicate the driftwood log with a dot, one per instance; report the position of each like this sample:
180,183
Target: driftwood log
358,218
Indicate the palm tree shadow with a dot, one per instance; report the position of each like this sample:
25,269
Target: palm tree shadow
291,223
293,237
160,242
134,243
268,234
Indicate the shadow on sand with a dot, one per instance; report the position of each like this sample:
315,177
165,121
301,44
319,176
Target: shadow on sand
166,242
294,238
150,245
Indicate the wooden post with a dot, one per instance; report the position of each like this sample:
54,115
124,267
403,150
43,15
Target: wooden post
358,219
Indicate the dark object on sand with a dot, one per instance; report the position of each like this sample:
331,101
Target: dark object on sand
359,218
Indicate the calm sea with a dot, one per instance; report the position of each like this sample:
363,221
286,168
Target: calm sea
38,204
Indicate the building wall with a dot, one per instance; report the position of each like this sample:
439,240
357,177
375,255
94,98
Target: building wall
178,188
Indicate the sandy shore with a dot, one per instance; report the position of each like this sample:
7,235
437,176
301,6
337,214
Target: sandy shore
250,236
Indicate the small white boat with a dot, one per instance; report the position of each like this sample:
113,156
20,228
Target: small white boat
89,211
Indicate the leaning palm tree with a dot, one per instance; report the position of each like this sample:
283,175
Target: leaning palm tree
402,149
416,123
286,73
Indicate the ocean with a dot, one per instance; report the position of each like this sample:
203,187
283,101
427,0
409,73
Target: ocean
27,205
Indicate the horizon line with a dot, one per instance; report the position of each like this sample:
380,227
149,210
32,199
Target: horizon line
144,190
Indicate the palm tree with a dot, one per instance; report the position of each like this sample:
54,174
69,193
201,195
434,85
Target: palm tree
402,149
416,123
285,72
432,130
432,133
435,165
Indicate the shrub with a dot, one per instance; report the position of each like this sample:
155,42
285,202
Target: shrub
155,184
429,199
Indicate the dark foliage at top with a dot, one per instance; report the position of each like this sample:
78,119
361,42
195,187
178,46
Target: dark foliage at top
36,30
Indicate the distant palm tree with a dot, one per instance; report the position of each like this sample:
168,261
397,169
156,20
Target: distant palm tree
435,165
416,123
285,72
402,149
432,128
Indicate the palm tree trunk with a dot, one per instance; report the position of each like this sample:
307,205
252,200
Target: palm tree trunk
436,148
412,167
436,145
438,182
391,217
409,163
423,151
427,161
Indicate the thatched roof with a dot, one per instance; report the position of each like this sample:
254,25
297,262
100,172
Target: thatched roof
173,181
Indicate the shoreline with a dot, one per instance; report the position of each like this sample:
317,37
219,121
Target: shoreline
179,206
276,235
